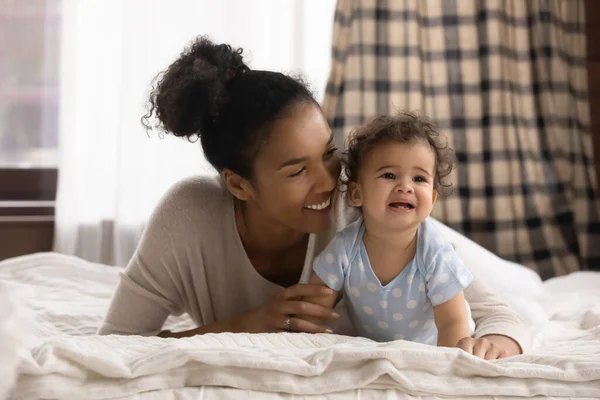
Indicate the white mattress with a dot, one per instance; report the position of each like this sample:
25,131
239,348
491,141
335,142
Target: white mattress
70,296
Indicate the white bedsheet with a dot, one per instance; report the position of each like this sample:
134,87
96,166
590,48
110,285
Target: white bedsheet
71,296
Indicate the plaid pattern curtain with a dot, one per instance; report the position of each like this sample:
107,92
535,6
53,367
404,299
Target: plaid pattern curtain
506,81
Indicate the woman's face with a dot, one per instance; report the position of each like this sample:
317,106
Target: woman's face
295,173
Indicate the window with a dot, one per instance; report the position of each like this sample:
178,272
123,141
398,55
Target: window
29,65
29,44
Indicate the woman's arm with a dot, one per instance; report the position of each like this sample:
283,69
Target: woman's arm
271,316
494,321
151,286
233,325
142,301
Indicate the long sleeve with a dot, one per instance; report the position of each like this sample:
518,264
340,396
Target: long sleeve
492,315
150,288
190,260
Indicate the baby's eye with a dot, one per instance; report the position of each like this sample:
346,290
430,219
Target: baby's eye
389,175
420,179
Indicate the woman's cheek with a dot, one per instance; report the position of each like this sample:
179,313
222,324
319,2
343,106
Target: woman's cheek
335,167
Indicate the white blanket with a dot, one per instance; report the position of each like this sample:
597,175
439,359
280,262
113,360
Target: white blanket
71,296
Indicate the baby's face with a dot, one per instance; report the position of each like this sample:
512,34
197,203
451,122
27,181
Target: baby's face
396,184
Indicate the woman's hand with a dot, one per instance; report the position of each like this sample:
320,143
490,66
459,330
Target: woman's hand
490,347
274,314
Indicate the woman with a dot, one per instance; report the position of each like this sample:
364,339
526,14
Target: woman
230,251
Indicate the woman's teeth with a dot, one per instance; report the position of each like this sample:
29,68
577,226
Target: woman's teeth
320,206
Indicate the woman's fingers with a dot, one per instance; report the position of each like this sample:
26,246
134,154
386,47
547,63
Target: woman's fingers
303,316
466,344
306,308
301,325
482,348
305,290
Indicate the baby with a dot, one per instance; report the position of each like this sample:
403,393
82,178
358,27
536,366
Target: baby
401,279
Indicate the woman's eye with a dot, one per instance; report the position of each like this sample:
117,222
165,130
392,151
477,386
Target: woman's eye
330,153
388,175
301,170
420,179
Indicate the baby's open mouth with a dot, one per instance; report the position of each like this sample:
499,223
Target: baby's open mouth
403,205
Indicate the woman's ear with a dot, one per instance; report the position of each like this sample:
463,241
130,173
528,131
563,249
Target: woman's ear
238,186
355,195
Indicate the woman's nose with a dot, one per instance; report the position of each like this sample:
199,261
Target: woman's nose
328,177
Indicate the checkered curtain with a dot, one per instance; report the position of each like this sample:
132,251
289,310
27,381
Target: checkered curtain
506,81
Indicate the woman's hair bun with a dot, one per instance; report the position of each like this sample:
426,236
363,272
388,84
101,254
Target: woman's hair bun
188,96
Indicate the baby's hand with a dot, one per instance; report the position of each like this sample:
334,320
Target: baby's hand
483,348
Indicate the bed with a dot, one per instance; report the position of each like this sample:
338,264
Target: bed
69,297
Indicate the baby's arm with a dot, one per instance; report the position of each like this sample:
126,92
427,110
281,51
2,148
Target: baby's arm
452,321
325,301
330,265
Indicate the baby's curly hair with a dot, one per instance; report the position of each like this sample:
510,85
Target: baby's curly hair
404,127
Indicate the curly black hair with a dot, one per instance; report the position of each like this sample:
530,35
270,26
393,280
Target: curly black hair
403,127
211,94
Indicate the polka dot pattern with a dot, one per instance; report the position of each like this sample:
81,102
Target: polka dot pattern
344,261
401,310
361,266
448,257
332,279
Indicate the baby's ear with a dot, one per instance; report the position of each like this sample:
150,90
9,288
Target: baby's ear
354,194
434,196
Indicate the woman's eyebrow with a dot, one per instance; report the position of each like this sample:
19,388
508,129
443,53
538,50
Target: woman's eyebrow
293,161
299,160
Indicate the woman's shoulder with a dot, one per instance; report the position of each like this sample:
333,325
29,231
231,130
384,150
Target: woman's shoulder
191,204
190,190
